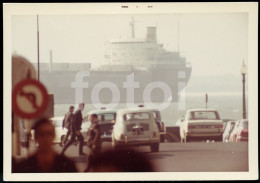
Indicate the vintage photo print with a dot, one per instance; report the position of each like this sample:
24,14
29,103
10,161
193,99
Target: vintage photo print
130,91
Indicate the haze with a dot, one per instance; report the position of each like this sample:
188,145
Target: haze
215,43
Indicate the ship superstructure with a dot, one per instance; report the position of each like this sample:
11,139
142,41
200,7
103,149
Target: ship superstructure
141,58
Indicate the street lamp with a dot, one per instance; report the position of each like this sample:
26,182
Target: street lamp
243,72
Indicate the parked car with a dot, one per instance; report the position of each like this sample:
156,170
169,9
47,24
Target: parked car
228,130
106,121
59,131
201,124
240,132
135,127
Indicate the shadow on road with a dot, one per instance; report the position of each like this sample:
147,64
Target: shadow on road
78,159
159,156
172,151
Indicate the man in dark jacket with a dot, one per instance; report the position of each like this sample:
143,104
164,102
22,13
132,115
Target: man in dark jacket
93,134
93,138
76,127
67,123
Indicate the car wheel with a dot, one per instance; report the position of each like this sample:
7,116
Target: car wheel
188,139
162,138
168,138
155,147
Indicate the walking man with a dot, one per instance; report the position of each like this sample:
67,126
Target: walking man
76,127
67,123
93,138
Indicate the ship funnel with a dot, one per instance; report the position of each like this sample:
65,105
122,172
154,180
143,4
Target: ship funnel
151,34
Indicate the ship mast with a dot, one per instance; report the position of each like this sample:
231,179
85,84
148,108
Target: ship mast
133,27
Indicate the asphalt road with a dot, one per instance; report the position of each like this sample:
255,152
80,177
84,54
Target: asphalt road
183,157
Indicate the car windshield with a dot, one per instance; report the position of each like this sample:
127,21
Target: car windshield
137,116
200,115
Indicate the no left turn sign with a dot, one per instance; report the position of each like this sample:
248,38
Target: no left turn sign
29,99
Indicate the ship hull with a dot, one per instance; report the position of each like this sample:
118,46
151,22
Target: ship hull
156,85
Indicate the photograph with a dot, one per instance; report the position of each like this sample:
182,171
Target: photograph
130,91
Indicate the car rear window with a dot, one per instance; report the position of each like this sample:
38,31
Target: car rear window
105,117
200,115
137,116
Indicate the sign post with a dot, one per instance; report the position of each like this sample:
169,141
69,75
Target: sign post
21,69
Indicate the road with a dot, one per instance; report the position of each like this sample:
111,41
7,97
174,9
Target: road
183,157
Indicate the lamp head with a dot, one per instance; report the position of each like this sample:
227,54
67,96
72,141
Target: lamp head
243,69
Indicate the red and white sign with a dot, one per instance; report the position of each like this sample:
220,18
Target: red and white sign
29,99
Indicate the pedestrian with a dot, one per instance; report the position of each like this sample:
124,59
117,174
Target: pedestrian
45,159
67,123
76,127
93,138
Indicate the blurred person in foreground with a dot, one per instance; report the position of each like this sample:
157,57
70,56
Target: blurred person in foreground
76,127
45,159
122,160
67,123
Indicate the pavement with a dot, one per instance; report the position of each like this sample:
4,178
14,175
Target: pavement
177,157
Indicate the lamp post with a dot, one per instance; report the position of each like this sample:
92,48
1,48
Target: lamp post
243,72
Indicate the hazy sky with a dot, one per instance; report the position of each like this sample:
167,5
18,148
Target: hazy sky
214,43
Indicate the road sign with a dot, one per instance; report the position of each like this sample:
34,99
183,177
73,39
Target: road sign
29,99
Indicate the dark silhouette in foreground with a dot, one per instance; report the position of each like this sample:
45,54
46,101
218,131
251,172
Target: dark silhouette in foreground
122,160
45,159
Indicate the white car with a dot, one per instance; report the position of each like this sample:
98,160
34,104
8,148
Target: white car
240,132
60,132
135,127
201,124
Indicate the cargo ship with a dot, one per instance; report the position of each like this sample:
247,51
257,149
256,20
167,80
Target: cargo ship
137,70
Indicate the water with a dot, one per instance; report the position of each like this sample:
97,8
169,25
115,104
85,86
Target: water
229,106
